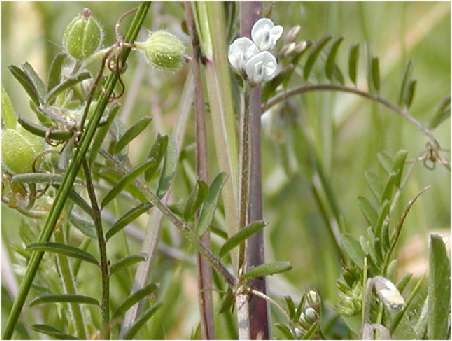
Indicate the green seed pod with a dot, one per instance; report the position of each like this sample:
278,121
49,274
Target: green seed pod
163,50
83,36
19,149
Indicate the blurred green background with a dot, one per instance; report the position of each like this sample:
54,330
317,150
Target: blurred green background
347,133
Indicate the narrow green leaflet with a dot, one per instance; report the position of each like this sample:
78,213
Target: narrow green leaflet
195,199
314,55
63,249
9,118
405,83
331,59
55,70
208,208
125,262
374,184
267,270
36,129
399,165
128,217
438,290
353,250
30,178
84,226
375,72
102,132
145,316
26,83
50,298
66,84
285,331
411,93
241,236
157,152
385,161
169,167
368,210
126,179
134,298
131,133
53,332
37,81
441,114
353,59
79,201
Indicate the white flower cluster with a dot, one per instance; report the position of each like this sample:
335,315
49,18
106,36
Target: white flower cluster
252,57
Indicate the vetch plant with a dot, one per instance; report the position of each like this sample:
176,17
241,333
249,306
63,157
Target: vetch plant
119,205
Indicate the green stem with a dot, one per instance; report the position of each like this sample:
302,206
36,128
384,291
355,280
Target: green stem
346,89
105,305
70,176
69,286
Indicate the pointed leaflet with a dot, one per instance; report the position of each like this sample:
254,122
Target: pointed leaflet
52,331
411,93
126,179
131,133
195,199
9,118
210,204
50,298
26,83
36,129
102,132
37,81
66,84
438,290
368,210
267,270
441,114
134,298
375,74
353,59
63,249
55,70
353,250
157,152
125,262
128,217
144,317
241,236
169,167
405,83
314,55
331,59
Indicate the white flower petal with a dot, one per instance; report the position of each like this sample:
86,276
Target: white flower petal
265,34
261,67
240,51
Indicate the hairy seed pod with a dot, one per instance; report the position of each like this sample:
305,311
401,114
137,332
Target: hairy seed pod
83,36
163,50
19,149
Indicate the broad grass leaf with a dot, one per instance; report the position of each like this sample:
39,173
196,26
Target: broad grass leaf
438,290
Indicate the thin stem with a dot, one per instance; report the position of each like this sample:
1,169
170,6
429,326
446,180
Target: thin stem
250,12
204,270
67,278
346,89
71,173
96,213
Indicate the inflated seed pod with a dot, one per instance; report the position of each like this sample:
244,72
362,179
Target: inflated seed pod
83,35
19,149
163,50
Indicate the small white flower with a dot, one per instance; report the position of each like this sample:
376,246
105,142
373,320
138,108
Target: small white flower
388,293
240,51
261,67
265,34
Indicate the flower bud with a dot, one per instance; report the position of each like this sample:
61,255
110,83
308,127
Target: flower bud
163,50
310,315
292,34
19,149
313,300
388,293
83,36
